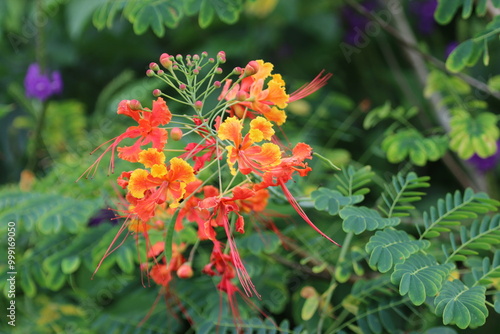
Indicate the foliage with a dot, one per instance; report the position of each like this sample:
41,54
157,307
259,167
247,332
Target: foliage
403,119
165,13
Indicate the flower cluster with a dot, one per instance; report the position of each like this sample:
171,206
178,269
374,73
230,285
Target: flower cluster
223,173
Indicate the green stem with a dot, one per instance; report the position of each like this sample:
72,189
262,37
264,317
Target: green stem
37,139
333,284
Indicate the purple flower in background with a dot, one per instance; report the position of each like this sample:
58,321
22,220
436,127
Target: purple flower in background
424,11
42,86
356,22
102,216
485,164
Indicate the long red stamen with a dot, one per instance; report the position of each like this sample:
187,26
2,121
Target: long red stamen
110,249
301,212
241,271
311,87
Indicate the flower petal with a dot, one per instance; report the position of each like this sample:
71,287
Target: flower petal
151,157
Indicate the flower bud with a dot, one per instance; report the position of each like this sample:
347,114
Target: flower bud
241,95
182,86
178,57
251,68
165,60
185,270
196,57
218,70
160,72
221,57
156,92
211,60
198,105
217,84
196,71
154,66
150,73
176,134
237,70
204,54
135,105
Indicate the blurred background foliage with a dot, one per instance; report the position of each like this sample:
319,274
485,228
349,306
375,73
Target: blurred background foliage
396,103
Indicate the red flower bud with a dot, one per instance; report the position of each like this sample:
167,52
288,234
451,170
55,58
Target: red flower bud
156,92
251,68
198,105
185,270
150,73
165,60
237,70
221,57
154,66
135,105
176,134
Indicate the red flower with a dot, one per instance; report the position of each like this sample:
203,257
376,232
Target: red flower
147,130
220,208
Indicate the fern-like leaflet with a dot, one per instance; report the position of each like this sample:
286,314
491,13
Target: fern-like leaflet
400,193
452,210
480,236
351,181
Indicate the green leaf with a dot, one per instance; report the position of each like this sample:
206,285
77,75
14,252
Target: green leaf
70,264
125,259
474,135
481,7
401,192
451,210
420,276
494,83
351,180
497,302
27,284
310,306
332,200
446,10
390,247
485,232
155,14
258,243
104,16
169,237
411,143
206,14
50,213
466,9
459,57
461,306
376,115
228,10
360,219
487,271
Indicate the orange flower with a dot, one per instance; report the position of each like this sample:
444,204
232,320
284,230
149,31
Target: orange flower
253,97
250,157
163,184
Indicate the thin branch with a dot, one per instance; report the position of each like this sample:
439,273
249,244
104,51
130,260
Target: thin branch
413,46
